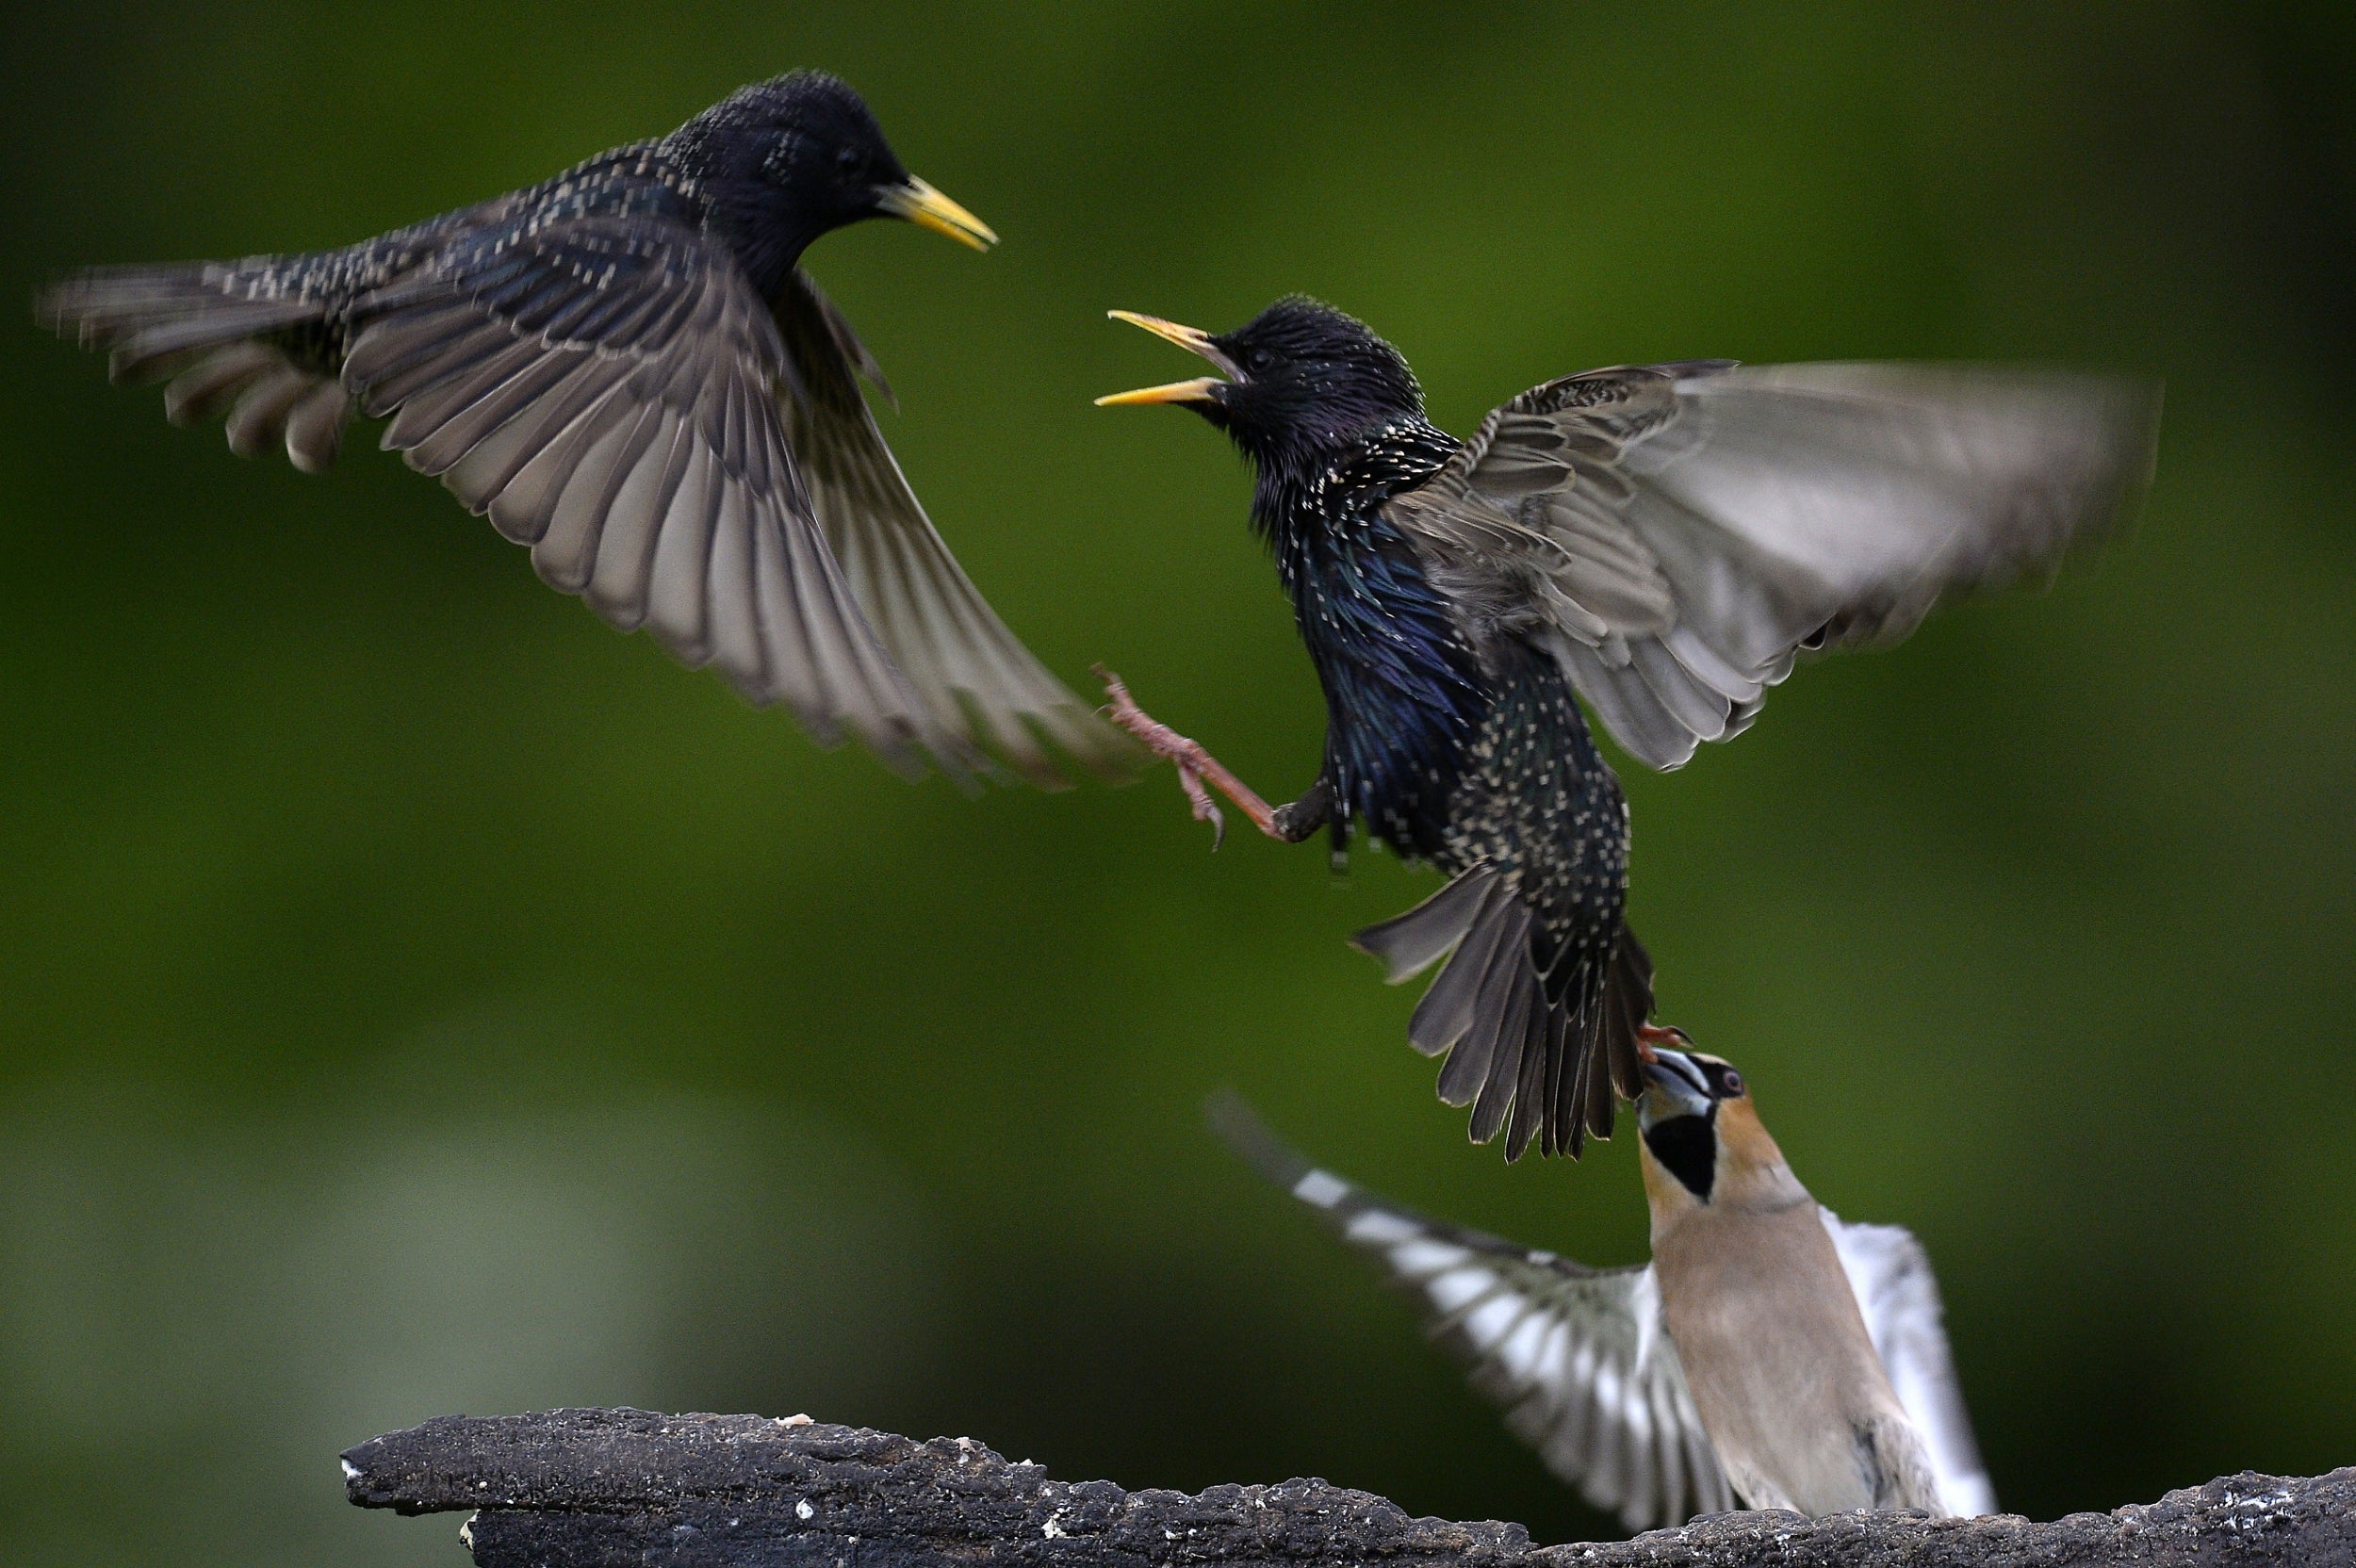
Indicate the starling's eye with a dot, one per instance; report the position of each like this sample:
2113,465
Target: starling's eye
1259,359
848,160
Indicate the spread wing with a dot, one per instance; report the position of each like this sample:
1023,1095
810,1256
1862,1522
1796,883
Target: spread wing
971,671
1675,533
1576,1356
1899,1296
603,386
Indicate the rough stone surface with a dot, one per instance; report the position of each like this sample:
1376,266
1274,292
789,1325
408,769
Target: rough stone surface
631,1489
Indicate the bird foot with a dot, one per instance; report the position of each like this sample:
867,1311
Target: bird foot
1649,1037
1196,767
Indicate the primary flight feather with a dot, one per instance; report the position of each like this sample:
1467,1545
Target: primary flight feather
625,368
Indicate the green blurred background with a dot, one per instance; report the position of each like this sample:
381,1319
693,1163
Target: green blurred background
416,998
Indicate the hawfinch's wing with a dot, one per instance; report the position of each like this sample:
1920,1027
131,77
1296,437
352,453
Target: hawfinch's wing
1899,1296
1576,1356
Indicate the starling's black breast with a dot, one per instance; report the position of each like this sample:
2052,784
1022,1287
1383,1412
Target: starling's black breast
1460,755
1404,691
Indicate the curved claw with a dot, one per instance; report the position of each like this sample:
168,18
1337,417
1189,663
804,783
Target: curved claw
1651,1037
1205,808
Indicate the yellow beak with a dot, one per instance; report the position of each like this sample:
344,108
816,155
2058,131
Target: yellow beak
928,208
1201,389
1192,339
1196,391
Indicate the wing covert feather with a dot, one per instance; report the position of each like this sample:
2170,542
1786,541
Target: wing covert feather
1677,533
602,387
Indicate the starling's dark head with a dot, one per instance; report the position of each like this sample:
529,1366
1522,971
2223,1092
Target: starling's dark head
797,156
1300,377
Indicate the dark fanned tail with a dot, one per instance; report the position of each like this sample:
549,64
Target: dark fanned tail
1534,1053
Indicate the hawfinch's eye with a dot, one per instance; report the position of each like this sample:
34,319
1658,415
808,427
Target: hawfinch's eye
1730,1086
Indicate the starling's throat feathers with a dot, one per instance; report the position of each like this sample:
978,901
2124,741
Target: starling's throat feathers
1332,420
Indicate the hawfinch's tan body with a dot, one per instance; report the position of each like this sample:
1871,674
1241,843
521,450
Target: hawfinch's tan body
1775,1352
1770,1352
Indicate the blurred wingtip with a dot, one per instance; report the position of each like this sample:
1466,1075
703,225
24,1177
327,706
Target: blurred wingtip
1240,1127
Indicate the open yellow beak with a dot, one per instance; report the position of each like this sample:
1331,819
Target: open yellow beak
928,208
1201,389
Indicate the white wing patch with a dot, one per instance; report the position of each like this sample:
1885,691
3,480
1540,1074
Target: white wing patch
1321,1189
1450,1291
1575,1357
1899,1296
1373,1228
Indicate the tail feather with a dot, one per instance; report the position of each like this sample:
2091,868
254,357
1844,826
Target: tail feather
1559,1083
1617,998
1448,1007
1593,1104
1512,1009
1628,1002
1410,943
1543,1050
1473,1064
1541,1057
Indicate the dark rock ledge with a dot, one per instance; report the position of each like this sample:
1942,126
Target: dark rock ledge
631,1489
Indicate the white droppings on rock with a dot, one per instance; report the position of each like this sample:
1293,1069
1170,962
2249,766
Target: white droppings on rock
1053,1530
803,1512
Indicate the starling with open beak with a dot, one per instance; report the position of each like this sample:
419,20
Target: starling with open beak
1660,540
1769,1351
628,370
